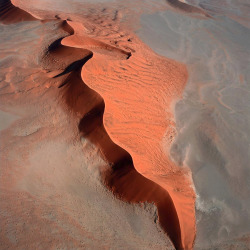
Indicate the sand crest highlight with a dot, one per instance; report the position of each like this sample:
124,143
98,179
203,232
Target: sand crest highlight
122,178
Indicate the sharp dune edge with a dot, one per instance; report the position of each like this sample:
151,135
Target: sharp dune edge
121,97
12,14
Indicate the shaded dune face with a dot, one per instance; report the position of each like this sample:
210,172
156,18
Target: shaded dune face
138,93
12,14
89,108
129,110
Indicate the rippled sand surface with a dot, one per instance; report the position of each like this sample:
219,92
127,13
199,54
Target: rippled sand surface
124,125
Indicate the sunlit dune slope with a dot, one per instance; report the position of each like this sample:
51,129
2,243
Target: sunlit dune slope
138,94
121,94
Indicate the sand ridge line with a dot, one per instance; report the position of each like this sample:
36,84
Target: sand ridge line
62,59
122,178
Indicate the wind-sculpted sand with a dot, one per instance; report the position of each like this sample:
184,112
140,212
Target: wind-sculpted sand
12,14
136,125
120,93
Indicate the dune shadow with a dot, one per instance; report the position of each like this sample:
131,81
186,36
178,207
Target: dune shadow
9,13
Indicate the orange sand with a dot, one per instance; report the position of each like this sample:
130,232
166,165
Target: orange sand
12,14
129,117
138,94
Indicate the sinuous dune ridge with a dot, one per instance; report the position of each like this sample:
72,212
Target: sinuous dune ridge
120,93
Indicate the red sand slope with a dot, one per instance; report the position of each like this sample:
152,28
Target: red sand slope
125,109
137,96
12,14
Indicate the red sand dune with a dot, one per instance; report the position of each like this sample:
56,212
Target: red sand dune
12,14
125,109
88,106
135,119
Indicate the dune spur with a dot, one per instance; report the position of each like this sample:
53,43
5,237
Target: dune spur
125,109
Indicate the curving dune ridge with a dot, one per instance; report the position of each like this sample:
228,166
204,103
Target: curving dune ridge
84,102
123,179
125,109
12,14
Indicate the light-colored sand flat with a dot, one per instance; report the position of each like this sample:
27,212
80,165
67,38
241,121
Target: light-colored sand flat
213,116
6,119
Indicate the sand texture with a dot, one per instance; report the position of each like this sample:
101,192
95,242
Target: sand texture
119,94
111,125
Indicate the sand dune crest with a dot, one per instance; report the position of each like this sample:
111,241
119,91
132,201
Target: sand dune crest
126,119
